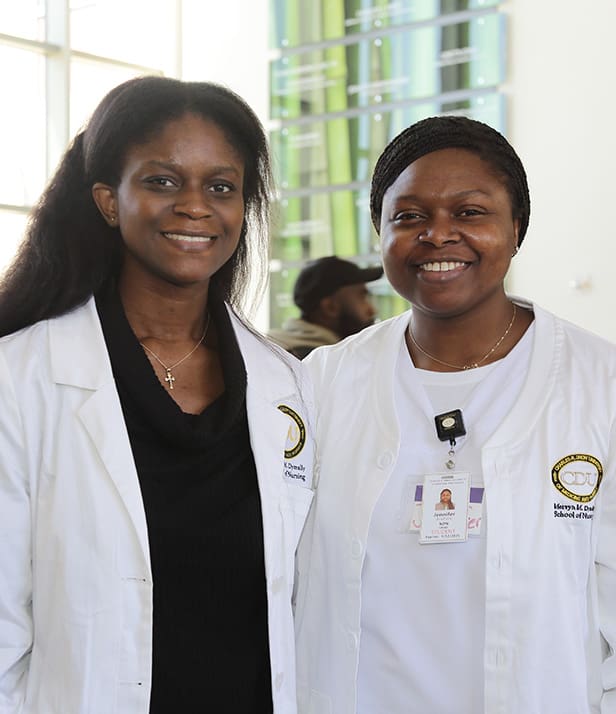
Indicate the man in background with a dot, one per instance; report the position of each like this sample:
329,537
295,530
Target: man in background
334,303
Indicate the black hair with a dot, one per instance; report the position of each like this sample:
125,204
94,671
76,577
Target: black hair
448,132
69,250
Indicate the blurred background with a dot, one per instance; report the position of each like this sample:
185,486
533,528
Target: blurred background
333,81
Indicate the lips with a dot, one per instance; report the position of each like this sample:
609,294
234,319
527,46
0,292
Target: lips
189,238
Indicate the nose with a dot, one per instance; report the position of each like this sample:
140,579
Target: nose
192,202
440,230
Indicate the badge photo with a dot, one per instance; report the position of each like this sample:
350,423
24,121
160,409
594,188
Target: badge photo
445,508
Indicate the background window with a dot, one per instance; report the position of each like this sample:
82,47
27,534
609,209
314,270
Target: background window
345,78
64,56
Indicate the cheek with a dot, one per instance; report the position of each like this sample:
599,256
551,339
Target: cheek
394,254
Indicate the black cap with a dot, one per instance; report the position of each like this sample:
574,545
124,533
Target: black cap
321,278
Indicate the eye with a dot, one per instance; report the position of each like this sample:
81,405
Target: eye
222,188
160,181
470,212
407,216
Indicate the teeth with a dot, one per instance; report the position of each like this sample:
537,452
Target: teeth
441,267
188,239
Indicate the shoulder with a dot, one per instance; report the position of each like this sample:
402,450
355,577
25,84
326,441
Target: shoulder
574,339
358,354
70,347
363,344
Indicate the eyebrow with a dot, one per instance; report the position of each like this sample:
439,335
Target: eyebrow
458,195
171,165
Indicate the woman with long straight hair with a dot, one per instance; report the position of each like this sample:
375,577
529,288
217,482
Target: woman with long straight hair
155,451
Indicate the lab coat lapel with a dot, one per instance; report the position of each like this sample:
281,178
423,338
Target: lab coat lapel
265,391
80,334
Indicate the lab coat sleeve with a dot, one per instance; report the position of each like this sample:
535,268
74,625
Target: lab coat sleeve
606,579
15,551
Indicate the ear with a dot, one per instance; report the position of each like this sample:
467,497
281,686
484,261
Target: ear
516,235
105,198
330,306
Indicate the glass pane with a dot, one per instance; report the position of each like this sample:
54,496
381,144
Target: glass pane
344,151
140,31
12,226
307,21
317,224
398,67
24,18
22,139
90,81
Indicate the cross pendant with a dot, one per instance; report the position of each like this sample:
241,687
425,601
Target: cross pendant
170,379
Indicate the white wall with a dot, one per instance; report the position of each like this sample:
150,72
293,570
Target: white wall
561,120
227,41
562,106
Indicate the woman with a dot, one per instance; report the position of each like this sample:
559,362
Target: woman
155,453
445,503
509,598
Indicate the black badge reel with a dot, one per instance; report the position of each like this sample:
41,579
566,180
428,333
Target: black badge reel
449,426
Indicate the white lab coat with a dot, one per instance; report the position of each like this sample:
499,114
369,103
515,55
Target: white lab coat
550,581
75,577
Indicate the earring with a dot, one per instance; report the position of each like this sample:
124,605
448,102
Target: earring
515,251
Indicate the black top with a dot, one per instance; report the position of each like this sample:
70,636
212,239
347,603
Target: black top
199,486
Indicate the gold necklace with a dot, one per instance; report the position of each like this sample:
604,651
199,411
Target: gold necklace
471,365
169,378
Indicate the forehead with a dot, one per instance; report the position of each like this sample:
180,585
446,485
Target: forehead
447,170
185,136
354,290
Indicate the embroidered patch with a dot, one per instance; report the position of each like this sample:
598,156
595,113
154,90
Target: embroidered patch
296,436
578,477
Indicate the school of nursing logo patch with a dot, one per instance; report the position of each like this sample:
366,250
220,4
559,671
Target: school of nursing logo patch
296,436
578,476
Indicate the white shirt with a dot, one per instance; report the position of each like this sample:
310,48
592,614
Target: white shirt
550,567
422,629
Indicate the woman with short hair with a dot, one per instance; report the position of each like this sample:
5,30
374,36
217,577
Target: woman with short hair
504,604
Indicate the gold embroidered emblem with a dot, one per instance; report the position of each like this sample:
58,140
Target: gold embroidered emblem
296,436
578,477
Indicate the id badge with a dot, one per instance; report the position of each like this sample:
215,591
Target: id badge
445,508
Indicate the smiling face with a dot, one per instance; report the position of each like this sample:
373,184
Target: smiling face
448,234
445,496
179,204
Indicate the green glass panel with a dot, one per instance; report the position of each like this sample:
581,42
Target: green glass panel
322,153
292,19
398,67
306,221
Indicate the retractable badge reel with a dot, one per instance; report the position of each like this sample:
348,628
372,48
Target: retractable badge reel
450,426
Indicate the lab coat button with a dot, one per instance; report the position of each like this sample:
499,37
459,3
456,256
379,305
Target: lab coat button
352,641
279,680
497,561
385,460
356,549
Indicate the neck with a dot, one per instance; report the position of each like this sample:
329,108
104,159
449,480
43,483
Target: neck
174,315
473,339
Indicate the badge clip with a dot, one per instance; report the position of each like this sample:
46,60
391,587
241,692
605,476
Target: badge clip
449,426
